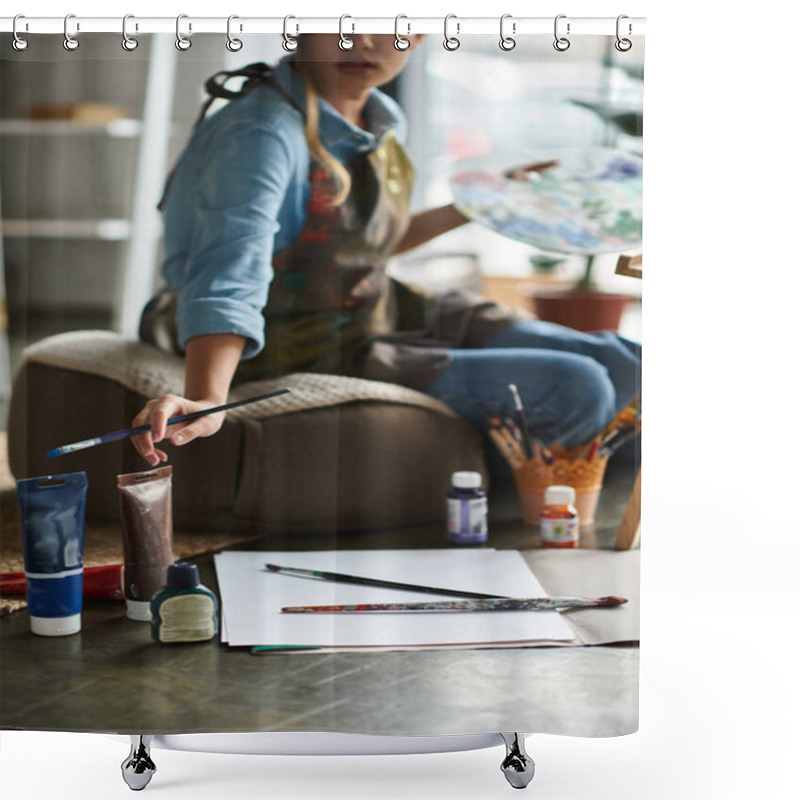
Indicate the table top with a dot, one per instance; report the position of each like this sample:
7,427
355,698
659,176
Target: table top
588,202
113,678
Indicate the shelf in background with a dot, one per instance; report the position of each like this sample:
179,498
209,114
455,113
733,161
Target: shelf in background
112,230
122,128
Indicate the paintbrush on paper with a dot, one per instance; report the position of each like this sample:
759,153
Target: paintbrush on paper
126,433
339,577
495,604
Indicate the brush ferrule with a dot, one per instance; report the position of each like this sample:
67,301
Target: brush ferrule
71,448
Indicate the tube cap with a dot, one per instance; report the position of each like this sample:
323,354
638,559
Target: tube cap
467,480
559,495
56,626
183,575
138,610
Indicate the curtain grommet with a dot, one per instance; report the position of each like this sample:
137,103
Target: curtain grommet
451,43
234,45
561,43
128,42
290,43
345,42
400,42
71,43
507,43
623,44
18,43
181,42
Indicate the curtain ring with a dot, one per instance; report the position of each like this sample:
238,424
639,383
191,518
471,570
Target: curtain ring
289,42
181,42
70,42
234,45
561,43
19,44
451,42
345,42
623,45
400,42
128,43
506,42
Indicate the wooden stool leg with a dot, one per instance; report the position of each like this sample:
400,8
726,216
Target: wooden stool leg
630,529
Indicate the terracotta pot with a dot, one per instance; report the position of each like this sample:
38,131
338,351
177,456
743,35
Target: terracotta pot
586,477
583,311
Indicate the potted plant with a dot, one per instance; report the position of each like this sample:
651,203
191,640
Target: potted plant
582,307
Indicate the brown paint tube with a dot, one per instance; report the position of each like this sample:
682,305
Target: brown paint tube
146,505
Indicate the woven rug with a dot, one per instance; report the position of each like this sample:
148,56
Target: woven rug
103,542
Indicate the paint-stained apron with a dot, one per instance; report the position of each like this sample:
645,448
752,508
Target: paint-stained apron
331,306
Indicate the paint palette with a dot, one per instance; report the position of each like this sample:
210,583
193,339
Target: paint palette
586,200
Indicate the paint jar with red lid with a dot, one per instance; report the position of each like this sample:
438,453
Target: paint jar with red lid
560,523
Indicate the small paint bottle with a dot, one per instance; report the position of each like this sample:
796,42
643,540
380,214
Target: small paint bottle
467,509
560,523
184,610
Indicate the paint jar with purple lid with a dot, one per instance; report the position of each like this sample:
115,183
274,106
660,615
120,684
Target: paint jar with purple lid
467,509
52,514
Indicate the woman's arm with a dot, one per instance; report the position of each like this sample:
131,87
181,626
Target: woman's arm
211,361
234,206
429,224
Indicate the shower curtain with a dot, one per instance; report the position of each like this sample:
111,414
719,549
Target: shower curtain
389,459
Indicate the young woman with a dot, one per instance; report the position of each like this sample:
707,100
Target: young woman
279,219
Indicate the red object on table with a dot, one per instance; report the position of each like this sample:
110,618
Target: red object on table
98,582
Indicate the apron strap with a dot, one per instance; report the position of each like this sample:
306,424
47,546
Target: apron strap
255,74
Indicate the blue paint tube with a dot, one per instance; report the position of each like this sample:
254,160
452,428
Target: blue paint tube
52,513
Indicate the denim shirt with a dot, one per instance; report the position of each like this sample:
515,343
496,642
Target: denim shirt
239,195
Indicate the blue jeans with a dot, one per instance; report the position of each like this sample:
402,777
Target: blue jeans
571,383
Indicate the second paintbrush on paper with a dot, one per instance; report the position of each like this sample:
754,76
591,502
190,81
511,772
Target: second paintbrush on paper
252,598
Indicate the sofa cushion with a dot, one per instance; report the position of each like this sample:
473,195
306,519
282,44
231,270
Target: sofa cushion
336,453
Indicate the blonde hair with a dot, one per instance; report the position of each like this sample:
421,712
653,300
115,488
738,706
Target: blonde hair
318,151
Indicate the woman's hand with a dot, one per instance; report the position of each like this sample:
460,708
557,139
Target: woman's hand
156,413
210,363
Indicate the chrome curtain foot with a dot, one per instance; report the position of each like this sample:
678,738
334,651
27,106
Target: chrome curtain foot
138,768
517,766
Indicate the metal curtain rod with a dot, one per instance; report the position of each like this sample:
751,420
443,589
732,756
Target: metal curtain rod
461,26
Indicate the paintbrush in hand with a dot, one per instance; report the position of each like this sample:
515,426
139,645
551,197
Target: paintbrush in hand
126,433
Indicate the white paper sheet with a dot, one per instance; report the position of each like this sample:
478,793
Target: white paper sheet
252,598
